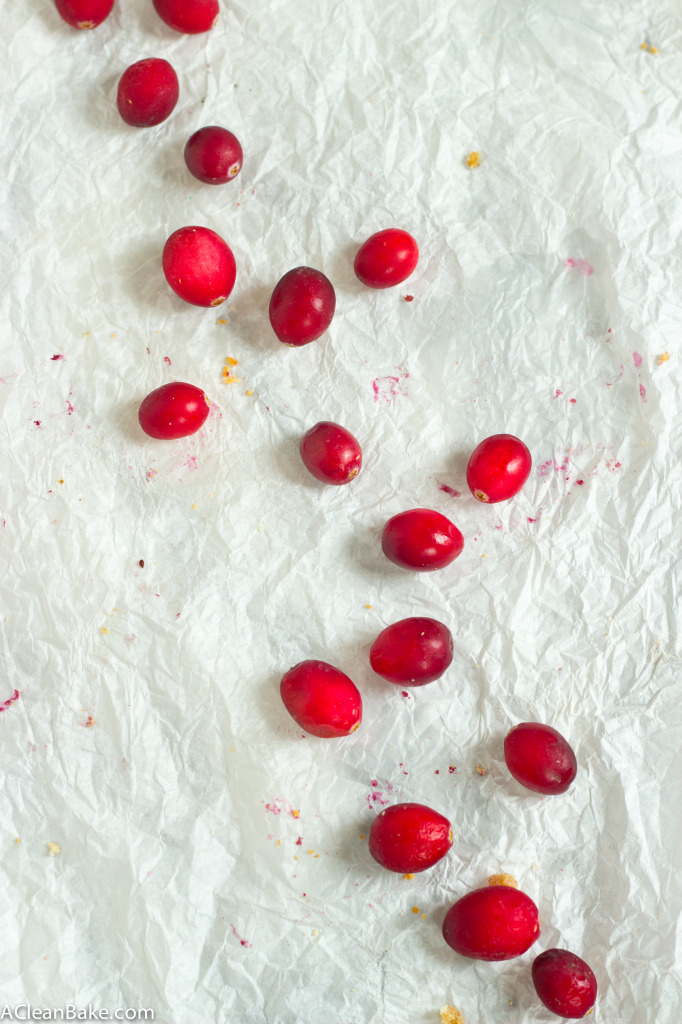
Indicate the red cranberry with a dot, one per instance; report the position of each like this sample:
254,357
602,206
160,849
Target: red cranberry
191,16
331,453
564,983
498,468
321,699
147,92
496,922
386,258
409,838
214,155
540,758
199,266
421,539
302,306
173,410
412,652
84,13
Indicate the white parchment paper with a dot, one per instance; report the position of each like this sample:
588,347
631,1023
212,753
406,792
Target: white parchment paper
211,861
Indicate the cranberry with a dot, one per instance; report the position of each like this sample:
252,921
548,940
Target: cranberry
412,652
498,468
496,922
540,758
147,92
409,838
302,306
191,16
214,155
199,266
386,258
173,410
84,13
331,453
421,539
565,983
323,700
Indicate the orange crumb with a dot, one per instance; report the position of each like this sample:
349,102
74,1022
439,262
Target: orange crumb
663,358
295,858
53,848
60,481
279,842
195,505
415,910
481,770
104,629
229,361
362,837
311,851
474,159
450,1015
17,840
408,876
503,879
643,46
368,606
249,393
295,814
652,49
86,334
222,321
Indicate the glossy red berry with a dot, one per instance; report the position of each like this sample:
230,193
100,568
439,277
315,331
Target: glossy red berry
498,468
409,838
191,16
540,758
199,266
147,92
302,306
323,700
331,453
386,258
496,922
84,13
173,410
214,155
412,652
564,983
421,539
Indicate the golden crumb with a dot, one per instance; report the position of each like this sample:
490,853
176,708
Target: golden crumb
474,159
408,876
60,481
229,361
450,1015
104,629
503,879
481,770
368,606
279,842
415,910
295,814
53,848
362,837
643,46
311,851
221,321
663,358
249,393
229,379
652,49
17,840
195,505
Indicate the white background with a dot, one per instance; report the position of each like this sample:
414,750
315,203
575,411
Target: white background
353,116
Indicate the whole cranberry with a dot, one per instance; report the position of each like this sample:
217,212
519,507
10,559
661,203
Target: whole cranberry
540,758
421,539
147,92
387,258
302,306
321,699
498,468
496,922
84,13
199,266
409,838
190,16
331,453
173,410
214,155
412,652
564,983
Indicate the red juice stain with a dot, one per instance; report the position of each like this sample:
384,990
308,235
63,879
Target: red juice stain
448,490
15,696
244,942
532,520
437,772
69,407
580,482
299,841
56,358
375,782
409,298
141,563
404,693
452,769
572,401
387,388
37,422
167,360
642,392
557,393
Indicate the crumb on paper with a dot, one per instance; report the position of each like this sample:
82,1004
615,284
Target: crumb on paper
295,814
648,48
53,849
261,527
104,629
503,879
481,770
409,298
474,159
450,1015
195,506
249,392
423,917
663,358
221,321
415,910
409,875
90,721
60,481
368,606
17,840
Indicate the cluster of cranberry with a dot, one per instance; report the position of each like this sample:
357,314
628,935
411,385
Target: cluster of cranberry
496,922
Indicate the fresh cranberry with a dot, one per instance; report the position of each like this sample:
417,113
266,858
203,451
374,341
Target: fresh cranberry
421,539
84,13
191,16
496,922
386,258
214,155
173,410
540,758
302,306
199,266
331,453
498,468
323,700
412,652
564,983
147,92
409,838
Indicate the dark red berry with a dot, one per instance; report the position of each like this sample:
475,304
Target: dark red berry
214,155
321,699
498,468
84,13
191,16
540,758
147,92
331,453
386,258
199,266
409,838
496,922
302,306
421,539
412,652
564,983
173,410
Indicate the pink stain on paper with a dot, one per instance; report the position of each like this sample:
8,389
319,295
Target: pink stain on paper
244,942
11,700
637,360
191,463
642,392
57,357
278,805
448,490
167,360
387,388
69,407
377,795
584,265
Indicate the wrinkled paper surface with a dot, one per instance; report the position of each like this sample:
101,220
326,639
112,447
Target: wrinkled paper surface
211,863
